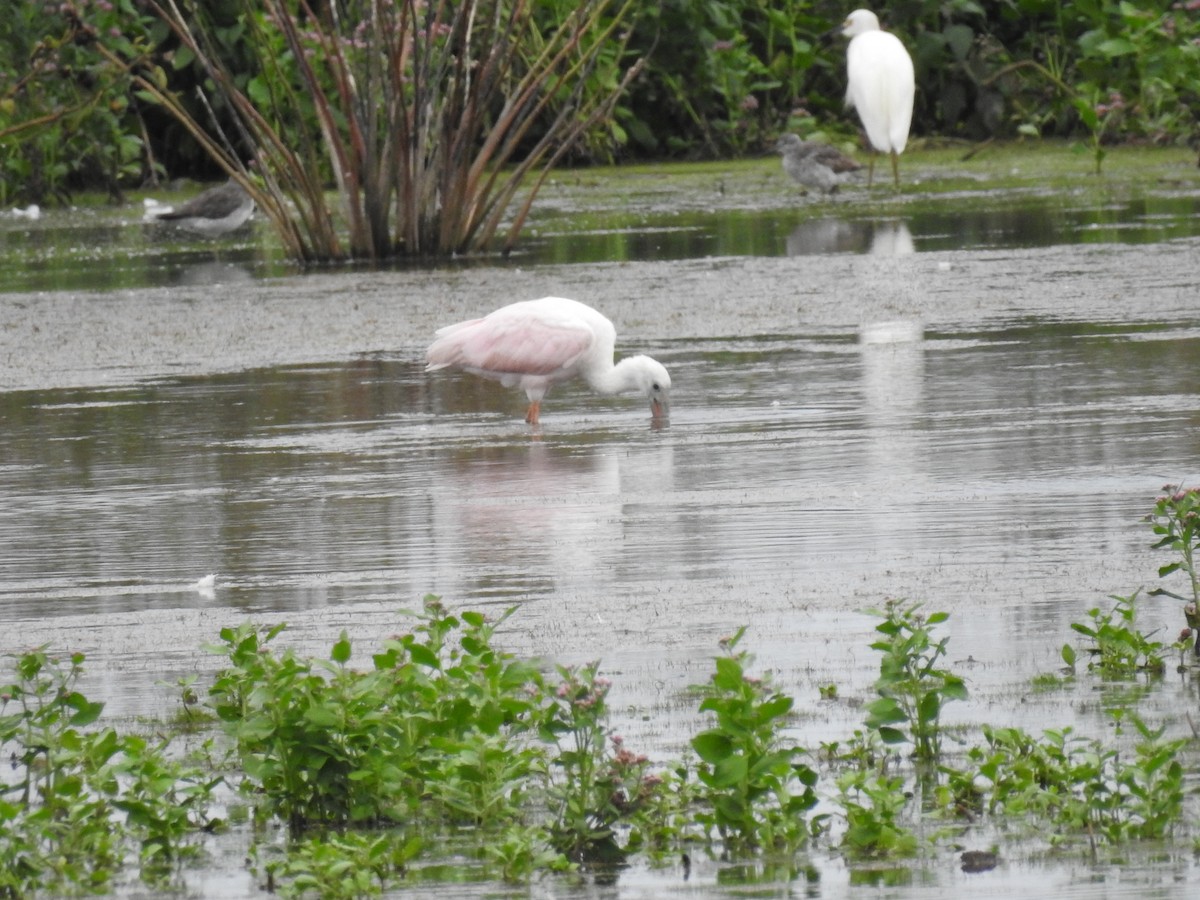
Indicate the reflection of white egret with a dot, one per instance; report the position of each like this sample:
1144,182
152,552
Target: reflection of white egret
880,85
891,239
893,332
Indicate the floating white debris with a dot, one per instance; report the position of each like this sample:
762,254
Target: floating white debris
33,212
152,209
206,585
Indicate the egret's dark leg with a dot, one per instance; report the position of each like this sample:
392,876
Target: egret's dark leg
896,168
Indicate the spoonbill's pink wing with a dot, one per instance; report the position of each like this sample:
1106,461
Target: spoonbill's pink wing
512,342
446,350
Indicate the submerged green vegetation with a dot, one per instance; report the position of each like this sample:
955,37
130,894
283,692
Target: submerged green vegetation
371,769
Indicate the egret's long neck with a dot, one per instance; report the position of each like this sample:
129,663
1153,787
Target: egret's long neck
614,379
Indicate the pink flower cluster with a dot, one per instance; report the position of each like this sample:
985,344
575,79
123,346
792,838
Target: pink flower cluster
1115,103
624,757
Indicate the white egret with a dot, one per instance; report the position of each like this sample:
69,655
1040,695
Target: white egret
880,86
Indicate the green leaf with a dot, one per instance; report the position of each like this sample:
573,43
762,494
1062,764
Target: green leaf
423,656
322,716
341,650
891,735
885,711
730,771
259,92
959,38
954,689
183,58
728,676
930,707
85,712
779,705
1114,47
712,746
255,729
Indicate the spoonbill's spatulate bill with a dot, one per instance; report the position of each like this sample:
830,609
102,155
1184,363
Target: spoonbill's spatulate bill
880,85
533,344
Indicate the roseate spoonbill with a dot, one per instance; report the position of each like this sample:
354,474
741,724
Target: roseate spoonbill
880,85
535,343
216,211
813,164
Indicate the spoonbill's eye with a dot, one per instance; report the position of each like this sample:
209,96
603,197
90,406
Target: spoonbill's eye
655,387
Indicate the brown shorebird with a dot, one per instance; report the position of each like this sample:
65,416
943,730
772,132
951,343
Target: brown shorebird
813,164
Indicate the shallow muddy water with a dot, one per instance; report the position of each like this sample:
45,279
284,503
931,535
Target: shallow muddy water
978,429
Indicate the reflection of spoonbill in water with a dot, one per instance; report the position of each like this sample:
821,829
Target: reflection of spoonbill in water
880,85
535,343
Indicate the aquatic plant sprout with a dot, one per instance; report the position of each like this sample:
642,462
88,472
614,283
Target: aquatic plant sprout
1176,521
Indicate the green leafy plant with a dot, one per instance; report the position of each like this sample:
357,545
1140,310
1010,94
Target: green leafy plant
521,850
328,744
1176,521
1097,115
1120,650
911,686
1149,64
756,790
61,822
864,750
447,741
872,804
1081,786
601,783
68,119
345,866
